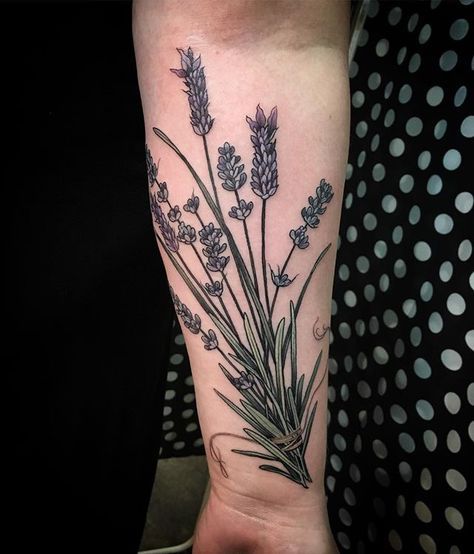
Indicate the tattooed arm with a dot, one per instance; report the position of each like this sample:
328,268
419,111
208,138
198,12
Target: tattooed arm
246,117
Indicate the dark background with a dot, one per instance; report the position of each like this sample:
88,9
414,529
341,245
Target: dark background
88,310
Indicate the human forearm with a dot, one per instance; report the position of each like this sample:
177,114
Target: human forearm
290,61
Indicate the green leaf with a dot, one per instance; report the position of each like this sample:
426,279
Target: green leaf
274,469
293,410
253,454
279,364
294,369
299,394
262,419
238,411
308,426
255,350
272,449
310,384
303,292
232,340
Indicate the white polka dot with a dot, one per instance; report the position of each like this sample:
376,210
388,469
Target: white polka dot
407,443
464,202
374,80
467,126
382,47
446,271
361,129
353,69
388,90
350,298
430,439
460,96
434,185
454,517
424,159
424,409
396,147
380,249
456,480
414,215
405,94
469,338
452,402
351,233
440,129
389,118
456,304
362,264
413,22
453,441
395,540
414,126
401,55
409,307
397,234
390,319
406,183
422,251
427,544
395,15
452,159
375,142
426,480
380,355
435,323
459,29
416,336
465,250
423,512
370,221
424,34
422,368
358,99
399,268
375,111
443,224
435,96
426,291
414,63
451,359
448,60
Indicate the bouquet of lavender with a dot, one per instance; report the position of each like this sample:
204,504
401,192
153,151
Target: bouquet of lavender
258,355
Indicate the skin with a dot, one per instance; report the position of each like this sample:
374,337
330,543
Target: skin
292,55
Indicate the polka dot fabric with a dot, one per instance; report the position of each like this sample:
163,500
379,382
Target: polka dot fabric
401,384
181,434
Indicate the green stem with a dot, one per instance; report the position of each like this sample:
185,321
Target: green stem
247,285
252,261
281,273
264,261
229,319
211,173
226,281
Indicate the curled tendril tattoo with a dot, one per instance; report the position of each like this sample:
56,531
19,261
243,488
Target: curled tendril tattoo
256,352
317,333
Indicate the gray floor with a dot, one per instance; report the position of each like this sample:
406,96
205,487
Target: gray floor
177,495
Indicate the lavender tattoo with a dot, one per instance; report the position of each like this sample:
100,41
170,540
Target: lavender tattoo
258,353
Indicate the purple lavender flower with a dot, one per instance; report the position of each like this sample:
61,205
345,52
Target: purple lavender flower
299,237
191,322
317,204
232,175
210,340
174,214
217,263
242,211
151,168
169,236
186,233
162,194
215,288
264,181
211,238
210,234
192,204
194,78
244,382
281,279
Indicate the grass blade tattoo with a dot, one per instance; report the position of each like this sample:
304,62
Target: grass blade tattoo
260,362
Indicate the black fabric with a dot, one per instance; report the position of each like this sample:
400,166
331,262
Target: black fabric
89,314
401,392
